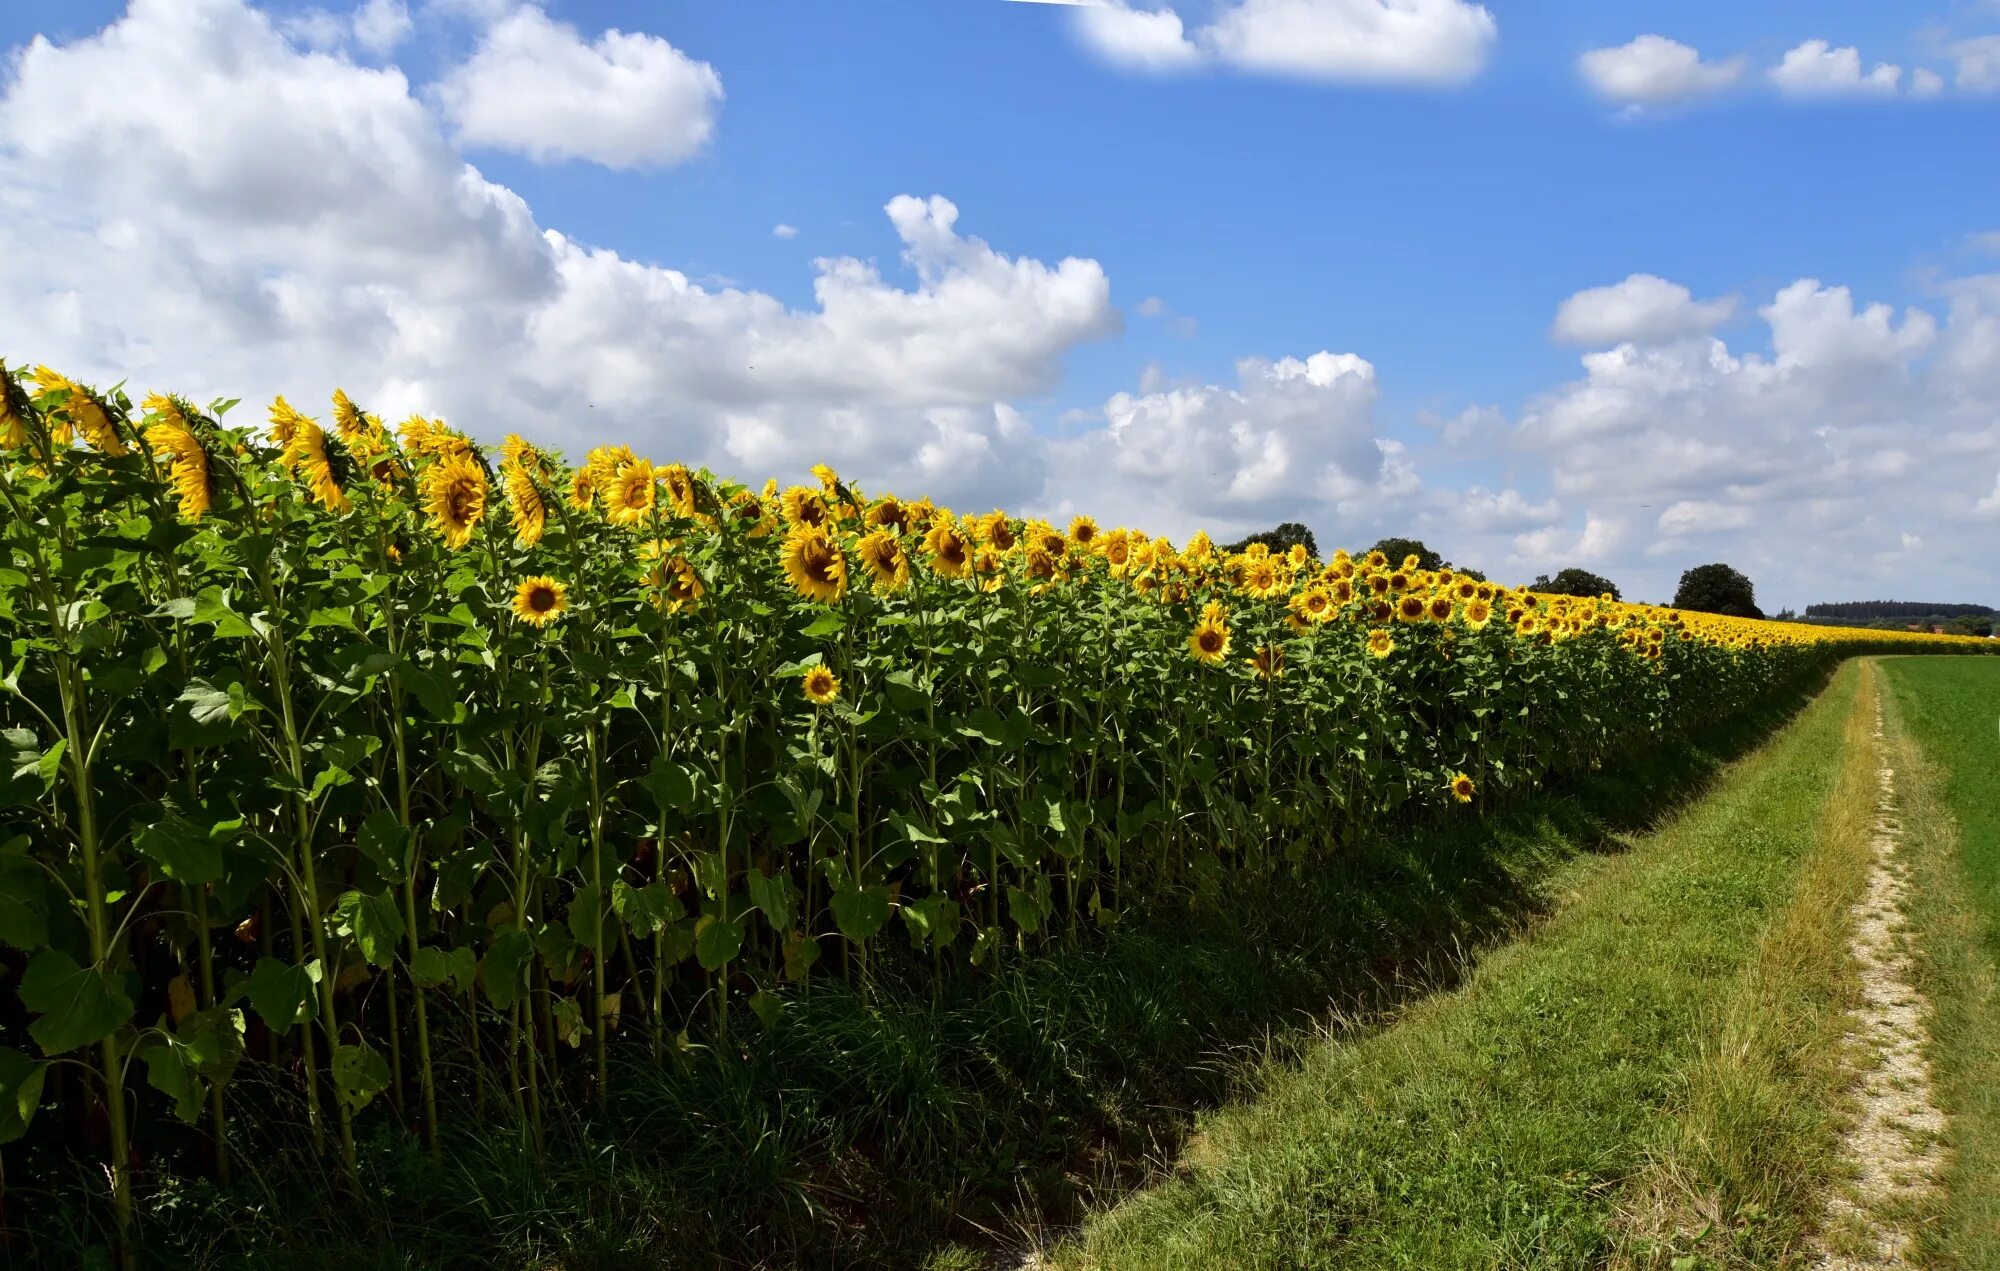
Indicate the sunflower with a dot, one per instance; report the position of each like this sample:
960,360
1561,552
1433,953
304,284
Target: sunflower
1298,556
187,461
1381,643
1268,663
887,513
990,569
679,484
1209,642
584,486
309,457
1117,551
524,500
1343,590
1461,787
361,432
83,411
1260,578
829,480
1314,604
887,563
815,564
994,530
540,600
950,553
821,685
1047,538
1441,607
14,408
746,513
675,585
1410,608
454,494
804,506
1083,532
1477,613
1377,560
630,495
1378,585
1200,548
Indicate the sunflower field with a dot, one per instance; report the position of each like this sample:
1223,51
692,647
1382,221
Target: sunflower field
329,747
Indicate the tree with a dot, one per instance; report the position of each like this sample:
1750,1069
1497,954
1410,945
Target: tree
1719,589
1967,624
1280,539
1575,582
1397,548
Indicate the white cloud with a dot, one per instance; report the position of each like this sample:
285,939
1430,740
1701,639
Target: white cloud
1392,41
1504,511
1978,64
1816,69
1990,505
1296,439
1925,82
380,25
1423,42
1136,39
534,86
1703,516
1644,308
306,224
1655,71
782,230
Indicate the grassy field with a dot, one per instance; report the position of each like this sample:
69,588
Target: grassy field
1950,714
1650,1078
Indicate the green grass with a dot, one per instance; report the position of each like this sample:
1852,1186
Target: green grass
909,1129
1949,712
1650,1077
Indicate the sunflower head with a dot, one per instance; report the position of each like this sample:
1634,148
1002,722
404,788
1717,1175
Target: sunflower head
309,457
1477,613
815,564
746,513
530,512
1381,643
631,494
949,550
821,686
1209,642
887,563
14,411
174,439
1461,788
81,411
1441,607
454,496
1411,608
540,600
682,491
1261,578
674,584
1268,663
804,506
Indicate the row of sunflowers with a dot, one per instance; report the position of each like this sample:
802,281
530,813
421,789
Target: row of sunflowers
419,774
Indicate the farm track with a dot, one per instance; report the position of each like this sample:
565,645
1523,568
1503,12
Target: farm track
1896,1147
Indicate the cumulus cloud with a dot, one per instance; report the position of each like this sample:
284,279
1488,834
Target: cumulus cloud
1817,69
1643,307
781,230
1295,437
1423,42
1655,71
535,87
1977,63
305,223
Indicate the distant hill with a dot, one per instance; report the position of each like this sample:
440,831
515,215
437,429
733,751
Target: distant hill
1853,610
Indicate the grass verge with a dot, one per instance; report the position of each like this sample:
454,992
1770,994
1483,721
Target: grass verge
1949,759
1663,1048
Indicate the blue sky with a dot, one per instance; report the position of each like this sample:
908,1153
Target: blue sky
1430,229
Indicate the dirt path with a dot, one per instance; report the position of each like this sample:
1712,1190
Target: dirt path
1896,1146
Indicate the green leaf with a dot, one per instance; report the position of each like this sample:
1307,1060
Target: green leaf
202,1051
385,841
432,967
671,785
20,1091
567,1018
586,917
32,769
78,1005
185,851
801,951
768,1007
359,1074
861,912
24,899
503,972
211,607
716,941
645,909
1025,908
829,623
777,897
284,996
375,922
